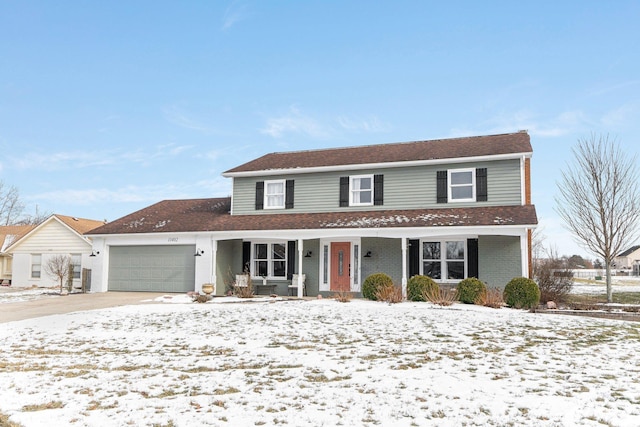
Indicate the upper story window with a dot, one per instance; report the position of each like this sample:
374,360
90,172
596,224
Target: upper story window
361,190
462,185
36,266
274,194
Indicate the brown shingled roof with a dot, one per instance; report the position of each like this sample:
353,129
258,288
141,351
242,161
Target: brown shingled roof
213,215
15,231
475,146
80,225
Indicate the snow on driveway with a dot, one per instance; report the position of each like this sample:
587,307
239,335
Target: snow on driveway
319,363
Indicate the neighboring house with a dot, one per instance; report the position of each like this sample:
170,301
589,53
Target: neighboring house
450,209
57,235
629,259
8,235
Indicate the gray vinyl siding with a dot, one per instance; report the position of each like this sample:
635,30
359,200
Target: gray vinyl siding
404,188
499,260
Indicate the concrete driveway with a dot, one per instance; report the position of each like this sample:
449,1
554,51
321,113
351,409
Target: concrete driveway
10,312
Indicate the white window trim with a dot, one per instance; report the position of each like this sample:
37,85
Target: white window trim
269,259
450,185
443,258
266,194
77,272
326,287
31,264
351,190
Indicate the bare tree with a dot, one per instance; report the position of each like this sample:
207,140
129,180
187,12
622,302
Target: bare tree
11,206
37,218
59,267
599,199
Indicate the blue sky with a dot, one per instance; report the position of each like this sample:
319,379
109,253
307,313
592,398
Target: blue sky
108,107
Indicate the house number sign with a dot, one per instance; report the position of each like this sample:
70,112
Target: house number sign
173,240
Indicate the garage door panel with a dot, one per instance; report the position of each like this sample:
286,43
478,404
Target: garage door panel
152,268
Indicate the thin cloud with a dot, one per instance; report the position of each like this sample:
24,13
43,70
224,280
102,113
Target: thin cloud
620,116
370,125
297,123
564,123
233,14
176,116
612,88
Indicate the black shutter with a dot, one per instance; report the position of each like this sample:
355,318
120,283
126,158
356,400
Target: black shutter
288,195
378,189
414,257
259,195
291,258
442,187
481,184
246,256
472,257
344,191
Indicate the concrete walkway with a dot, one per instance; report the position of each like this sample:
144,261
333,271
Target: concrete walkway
10,312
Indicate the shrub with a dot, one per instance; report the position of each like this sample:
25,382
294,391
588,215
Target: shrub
444,297
373,283
343,296
391,294
418,285
555,282
491,298
470,289
521,292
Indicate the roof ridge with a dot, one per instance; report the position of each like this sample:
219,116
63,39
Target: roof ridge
418,141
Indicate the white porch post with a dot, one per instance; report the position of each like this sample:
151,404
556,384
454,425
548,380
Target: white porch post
404,267
300,289
524,251
214,265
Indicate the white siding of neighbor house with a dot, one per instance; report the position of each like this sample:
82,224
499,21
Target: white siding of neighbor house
53,238
404,188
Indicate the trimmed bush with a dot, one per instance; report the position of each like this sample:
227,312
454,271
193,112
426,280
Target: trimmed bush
470,289
374,283
521,292
418,286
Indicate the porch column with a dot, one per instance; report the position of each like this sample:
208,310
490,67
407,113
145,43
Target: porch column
524,253
404,267
300,289
214,265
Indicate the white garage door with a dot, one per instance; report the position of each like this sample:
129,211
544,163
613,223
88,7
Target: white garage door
152,268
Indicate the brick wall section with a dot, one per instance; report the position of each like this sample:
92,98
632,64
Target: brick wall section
386,257
499,260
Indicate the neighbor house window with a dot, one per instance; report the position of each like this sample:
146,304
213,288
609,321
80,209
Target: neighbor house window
270,260
462,185
444,260
361,190
36,266
76,262
274,194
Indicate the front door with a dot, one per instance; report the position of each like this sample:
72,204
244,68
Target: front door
340,266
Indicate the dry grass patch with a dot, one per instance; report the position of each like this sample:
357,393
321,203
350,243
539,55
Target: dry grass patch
54,404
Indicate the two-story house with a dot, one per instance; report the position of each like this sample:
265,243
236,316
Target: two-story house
450,209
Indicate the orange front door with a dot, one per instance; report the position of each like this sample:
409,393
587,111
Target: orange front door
340,266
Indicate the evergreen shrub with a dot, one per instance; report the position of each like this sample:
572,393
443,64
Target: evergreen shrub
521,292
418,286
374,283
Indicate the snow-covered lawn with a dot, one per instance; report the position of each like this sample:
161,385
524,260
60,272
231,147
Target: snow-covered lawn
319,363
9,295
